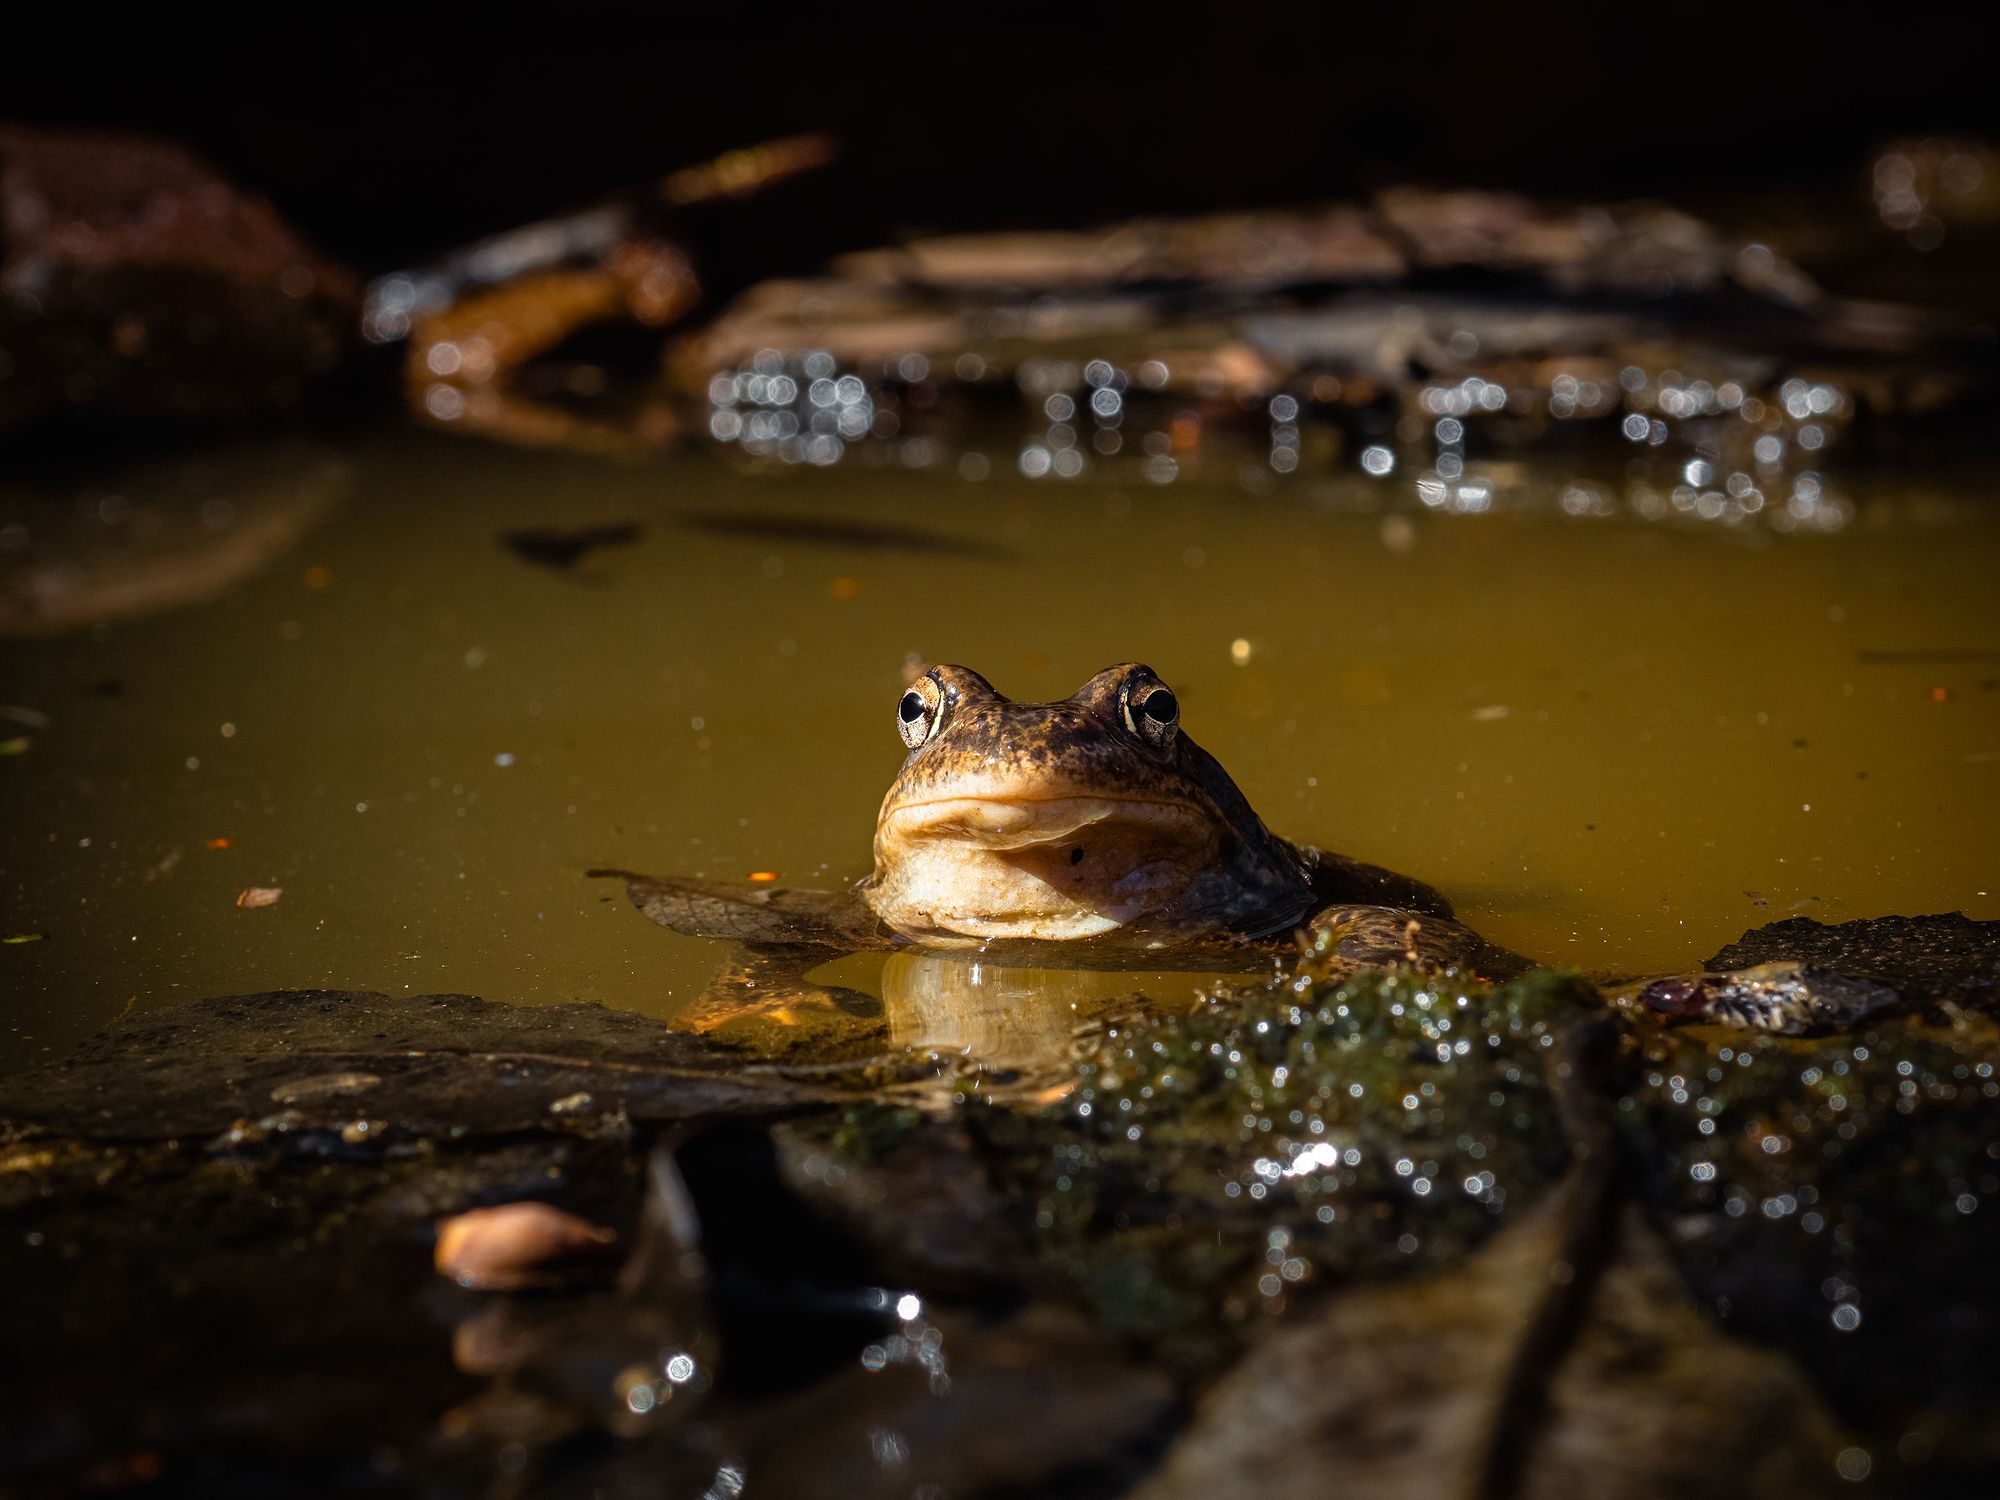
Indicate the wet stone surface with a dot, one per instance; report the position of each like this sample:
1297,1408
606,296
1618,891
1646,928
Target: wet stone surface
136,282
1206,1168
1836,1197
1428,332
351,1069
1947,958
1509,1240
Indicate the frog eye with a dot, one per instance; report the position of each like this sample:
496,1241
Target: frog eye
918,712
1153,713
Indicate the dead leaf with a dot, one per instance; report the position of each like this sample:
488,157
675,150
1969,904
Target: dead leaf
516,1245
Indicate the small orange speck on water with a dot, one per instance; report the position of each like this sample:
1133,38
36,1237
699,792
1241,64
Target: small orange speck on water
845,588
317,577
1940,694
220,843
1185,432
1035,661
763,874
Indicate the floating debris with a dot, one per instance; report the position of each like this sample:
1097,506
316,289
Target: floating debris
254,896
549,547
24,937
827,531
323,1085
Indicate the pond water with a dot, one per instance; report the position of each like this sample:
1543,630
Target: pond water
1615,742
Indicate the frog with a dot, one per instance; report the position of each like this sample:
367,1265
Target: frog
1085,833
1022,841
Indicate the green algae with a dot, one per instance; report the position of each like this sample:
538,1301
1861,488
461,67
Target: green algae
1311,1130
1202,1168
867,1132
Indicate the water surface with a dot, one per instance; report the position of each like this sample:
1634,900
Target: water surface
1615,742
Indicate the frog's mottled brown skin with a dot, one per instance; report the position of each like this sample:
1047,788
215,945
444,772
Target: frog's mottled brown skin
1085,818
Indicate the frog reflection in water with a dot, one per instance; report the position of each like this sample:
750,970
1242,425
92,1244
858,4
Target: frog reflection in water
1084,834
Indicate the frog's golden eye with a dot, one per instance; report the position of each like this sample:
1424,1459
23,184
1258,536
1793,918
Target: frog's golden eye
919,711
1153,713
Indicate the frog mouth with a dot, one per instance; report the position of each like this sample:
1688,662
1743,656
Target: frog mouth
1006,823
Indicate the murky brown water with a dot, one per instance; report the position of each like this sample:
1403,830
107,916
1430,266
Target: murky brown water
1616,743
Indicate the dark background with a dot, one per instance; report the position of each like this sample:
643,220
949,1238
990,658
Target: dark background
390,133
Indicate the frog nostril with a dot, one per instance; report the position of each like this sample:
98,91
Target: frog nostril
1076,855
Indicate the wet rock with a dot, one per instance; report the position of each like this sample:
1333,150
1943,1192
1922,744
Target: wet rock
1836,1197
1790,999
445,1067
1205,1169
952,1403
1400,1390
918,1193
1934,960
1253,304
288,1303
1343,1180
1277,339
1799,977
1249,250
137,282
1642,249
290,1306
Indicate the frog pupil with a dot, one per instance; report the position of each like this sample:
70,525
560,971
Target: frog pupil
911,708
1160,706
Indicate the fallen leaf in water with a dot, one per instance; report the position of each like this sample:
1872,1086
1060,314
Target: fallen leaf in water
317,578
220,843
763,874
18,745
253,896
517,1245
23,937
846,588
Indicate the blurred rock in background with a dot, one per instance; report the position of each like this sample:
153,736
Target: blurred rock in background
135,282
